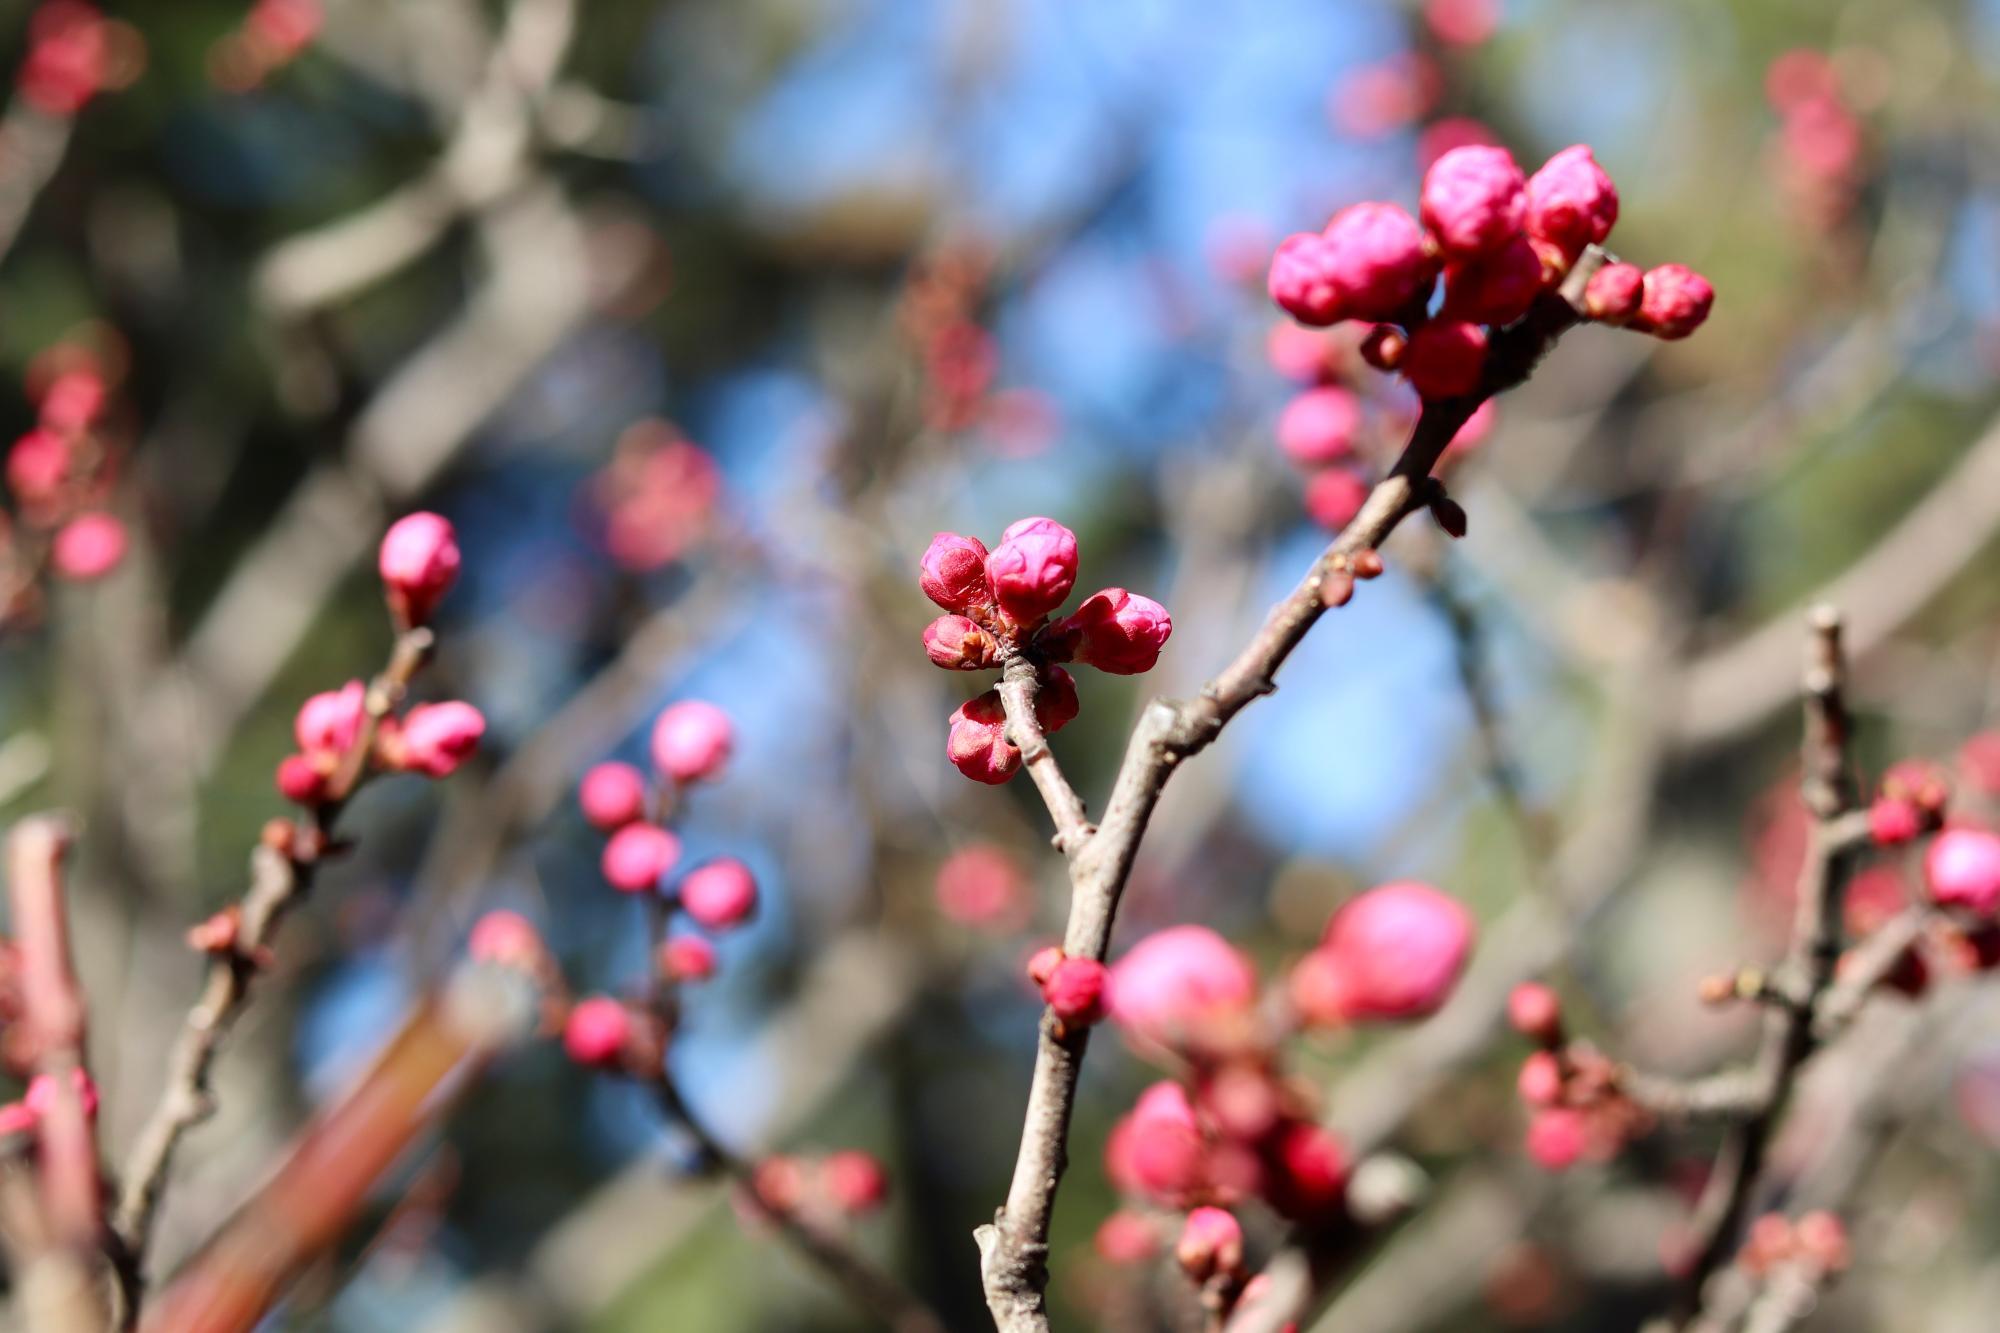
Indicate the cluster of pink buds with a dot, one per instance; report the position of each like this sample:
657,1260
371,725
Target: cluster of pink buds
418,561
1817,1241
1576,1110
657,496
75,53
272,35
1390,955
1499,239
61,474
1819,144
845,1184
1000,602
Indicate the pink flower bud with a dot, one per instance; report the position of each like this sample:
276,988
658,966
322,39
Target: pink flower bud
1383,346
1056,704
1892,822
1919,782
1126,1238
1962,866
637,855
953,573
854,1181
1334,497
37,466
1302,279
1243,1101
1317,990
1821,1240
692,740
1571,202
720,894
1305,355
596,1032
41,1094
1614,293
72,401
957,644
981,886
687,958
1032,569
1535,1011
1319,426
1495,288
300,780
1557,1137
1311,1171
1676,301
977,744
329,722
1474,199
779,1183
1177,982
87,547
1042,964
612,795
1445,358
284,27
1156,1151
419,562
1378,261
437,737
16,1118
1075,990
506,939
1211,1242
1397,951
1541,1079
1119,632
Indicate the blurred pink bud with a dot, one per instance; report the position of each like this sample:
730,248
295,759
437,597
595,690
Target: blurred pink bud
1445,358
1821,1239
855,1181
436,738
1319,426
1462,22
1378,261
419,562
218,933
16,1118
1032,569
1383,346
1557,1137
1919,782
284,27
953,573
1474,199
68,57
1441,136
1614,293
1243,1101
1497,287
720,894
1075,991
596,1032
612,795
1535,1011
1119,632
957,644
1676,301
1311,1174
1156,1151
329,722
1305,355
1125,1237
1571,202
1798,76
637,855
977,743
1541,1079
37,466
1056,704
1334,497
1980,760
300,780
72,401
1962,866
1042,964
1211,1242
89,546
692,740
1397,951
1302,281
41,1093
1174,983
506,939
981,886
687,958
1893,822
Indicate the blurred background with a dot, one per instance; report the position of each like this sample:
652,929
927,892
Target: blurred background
698,319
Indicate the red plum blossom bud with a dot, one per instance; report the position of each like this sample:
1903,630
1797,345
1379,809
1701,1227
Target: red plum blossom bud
506,939
37,466
1042,964
1119,632
596,1032
1445,358
1075,991
1378,263
1383,346
329,722
1033,568
1334,497
41,1094
1305,355
1892,822
1211,1242
1157,1151
1557,1137
637,855
1311,1171
1535,1011
1174,983
957,644
612,795
1301,280
1614,293
72,401
692,740
1474,199
1056,704
982,886
419,562
1571,202
854,1181
720,894
1496,287
301,781
1126,1238
1962,867
1541,1079
977,743
1397,951
1319,426
436,738
87,547
1821,1240
953,572
1676,301
687,958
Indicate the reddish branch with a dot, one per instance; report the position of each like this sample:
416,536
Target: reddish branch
1014,1247
281,874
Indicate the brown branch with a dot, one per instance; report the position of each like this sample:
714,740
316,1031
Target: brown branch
1014,1247
1018,687
280,877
